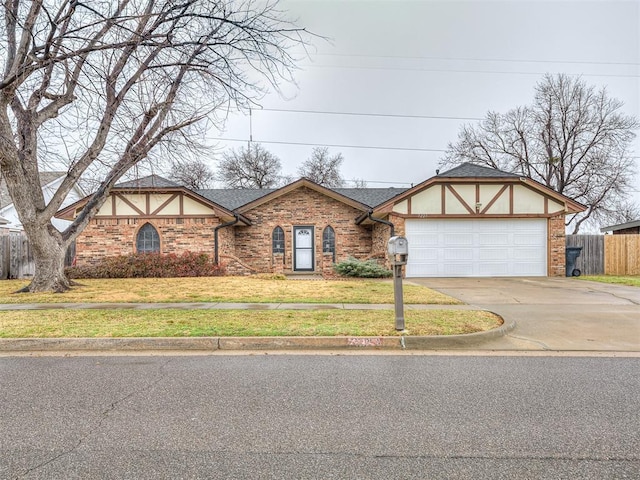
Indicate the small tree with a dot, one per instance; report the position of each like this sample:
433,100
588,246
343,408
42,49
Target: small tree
323,168
573,139
193,174
249,167
358,183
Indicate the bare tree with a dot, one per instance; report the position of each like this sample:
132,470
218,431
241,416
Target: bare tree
108,84
249,167
358,183
573,139
194,174
323,168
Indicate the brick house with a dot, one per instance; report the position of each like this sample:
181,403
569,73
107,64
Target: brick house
629,228
468,221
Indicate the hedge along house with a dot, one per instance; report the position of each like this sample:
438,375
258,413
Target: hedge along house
469,221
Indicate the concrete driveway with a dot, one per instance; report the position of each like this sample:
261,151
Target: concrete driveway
552,313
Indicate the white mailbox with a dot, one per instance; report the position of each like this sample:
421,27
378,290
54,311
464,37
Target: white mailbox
398,246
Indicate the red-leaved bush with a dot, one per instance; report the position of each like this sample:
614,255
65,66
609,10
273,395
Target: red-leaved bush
148,265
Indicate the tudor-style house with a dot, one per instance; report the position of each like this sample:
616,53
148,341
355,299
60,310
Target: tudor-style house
468,221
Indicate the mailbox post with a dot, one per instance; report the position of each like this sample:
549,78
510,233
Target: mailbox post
398,249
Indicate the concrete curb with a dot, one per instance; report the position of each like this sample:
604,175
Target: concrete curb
436,342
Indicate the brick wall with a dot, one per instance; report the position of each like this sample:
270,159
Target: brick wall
556,246
380,238
301,207
110,236
627,231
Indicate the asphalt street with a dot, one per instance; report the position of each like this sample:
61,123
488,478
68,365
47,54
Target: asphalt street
306,416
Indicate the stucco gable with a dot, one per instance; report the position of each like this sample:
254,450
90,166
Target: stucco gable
473,190
153,196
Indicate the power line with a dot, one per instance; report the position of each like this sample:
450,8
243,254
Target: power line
365,147
360,114
445,70
470,59
374,147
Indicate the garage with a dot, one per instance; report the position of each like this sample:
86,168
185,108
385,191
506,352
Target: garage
479,247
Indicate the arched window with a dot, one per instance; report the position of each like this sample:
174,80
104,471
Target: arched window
148,240
329,241
277,240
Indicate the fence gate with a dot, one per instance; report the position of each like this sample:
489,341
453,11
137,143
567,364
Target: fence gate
591,259
16,259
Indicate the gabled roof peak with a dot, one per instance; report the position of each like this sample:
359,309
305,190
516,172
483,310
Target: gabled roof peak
472,170
150,181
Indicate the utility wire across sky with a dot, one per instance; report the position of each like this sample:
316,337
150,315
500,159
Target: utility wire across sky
363,114
470,59
449,70
371,147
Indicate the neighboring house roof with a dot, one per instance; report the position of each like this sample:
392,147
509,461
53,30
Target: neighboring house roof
45,179
233,198
621,226
470,170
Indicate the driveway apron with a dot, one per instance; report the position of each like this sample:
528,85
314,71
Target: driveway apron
552,313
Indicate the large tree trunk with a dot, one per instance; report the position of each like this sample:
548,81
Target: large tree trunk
48,251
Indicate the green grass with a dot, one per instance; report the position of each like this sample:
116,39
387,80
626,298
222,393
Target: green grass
225,289
56,323
632,281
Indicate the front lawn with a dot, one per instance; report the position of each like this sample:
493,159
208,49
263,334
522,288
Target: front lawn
173,322
227,290
631,280
241,323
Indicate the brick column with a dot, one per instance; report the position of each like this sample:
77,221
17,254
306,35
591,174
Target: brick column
556,239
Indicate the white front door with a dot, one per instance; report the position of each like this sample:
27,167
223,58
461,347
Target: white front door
303,246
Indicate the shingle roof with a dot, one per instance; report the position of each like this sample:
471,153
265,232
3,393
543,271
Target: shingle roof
232,198
371,197
45,179
470,170
152,181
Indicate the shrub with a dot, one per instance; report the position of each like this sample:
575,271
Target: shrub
361,268
147,265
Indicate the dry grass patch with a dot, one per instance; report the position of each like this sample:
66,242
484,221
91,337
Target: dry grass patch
226,289
199,323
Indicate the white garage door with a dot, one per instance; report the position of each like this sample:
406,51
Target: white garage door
477,248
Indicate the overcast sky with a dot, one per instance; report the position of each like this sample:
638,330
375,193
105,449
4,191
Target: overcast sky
401,77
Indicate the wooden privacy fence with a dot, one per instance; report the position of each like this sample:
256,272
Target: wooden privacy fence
622,254
607,254
16,260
